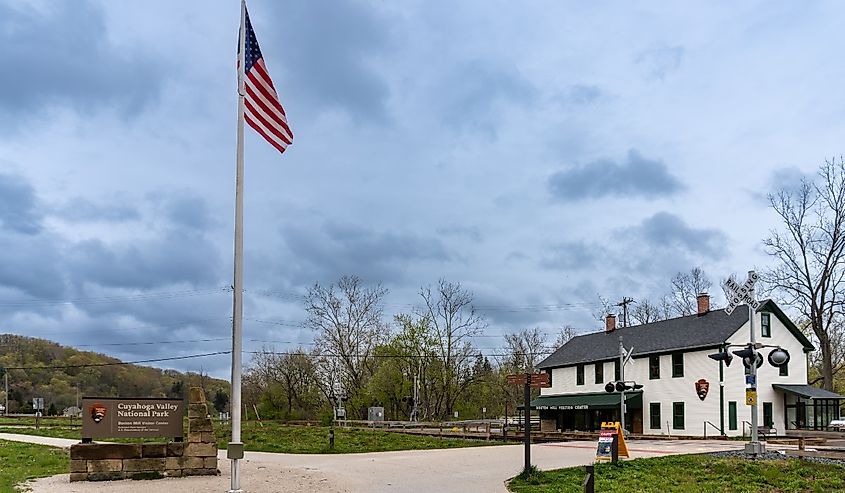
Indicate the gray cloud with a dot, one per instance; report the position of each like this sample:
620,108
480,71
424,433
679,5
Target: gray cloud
18,211
80,210
471,95
332,63
668,230
572,255
336,248
580,94
61,54
635,177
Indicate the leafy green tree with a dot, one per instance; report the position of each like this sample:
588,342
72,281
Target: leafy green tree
221,400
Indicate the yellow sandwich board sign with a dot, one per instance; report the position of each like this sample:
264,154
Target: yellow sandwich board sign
608,431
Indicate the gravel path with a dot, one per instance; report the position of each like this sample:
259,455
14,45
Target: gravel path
466,470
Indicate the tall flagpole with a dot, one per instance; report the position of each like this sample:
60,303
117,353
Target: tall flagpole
235,453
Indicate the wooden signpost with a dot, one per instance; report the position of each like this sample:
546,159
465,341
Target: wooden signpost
529,381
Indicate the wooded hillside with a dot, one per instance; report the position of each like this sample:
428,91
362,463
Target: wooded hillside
58,386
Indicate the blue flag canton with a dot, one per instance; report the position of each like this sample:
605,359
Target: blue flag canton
252,51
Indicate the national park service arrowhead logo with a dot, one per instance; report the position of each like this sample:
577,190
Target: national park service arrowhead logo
98,412
701,388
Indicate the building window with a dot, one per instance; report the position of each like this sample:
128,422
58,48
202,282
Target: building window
549,373
767,414
654,415
766,325
653,367
677,365
784,370
617,372
599,372
678,415
579,375
732,415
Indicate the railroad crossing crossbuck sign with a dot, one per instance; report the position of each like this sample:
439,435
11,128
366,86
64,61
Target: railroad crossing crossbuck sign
738,295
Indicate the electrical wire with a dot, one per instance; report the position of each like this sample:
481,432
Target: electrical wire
117,363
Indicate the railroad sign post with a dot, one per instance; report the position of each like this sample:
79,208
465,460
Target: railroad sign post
529,381
738,295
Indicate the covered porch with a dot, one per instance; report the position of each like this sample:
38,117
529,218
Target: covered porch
809,408
586,412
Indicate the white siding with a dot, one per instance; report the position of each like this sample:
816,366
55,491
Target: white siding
667,390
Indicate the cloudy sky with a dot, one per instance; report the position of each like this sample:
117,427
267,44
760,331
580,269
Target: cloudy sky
540,153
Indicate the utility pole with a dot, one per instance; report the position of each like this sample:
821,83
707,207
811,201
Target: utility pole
624,304
6,377
622,378
755,447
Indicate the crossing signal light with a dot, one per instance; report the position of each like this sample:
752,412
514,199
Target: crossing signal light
620,386
610,387
726,357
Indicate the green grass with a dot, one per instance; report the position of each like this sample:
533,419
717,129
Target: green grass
294,439
691,473
22,461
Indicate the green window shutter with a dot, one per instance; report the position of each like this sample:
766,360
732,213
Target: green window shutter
678,415
784,370
579,375
654,415
732,415
767,414
599,373
617,372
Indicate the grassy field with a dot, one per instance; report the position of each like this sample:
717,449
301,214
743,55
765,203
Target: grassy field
277,437
22,461
691,473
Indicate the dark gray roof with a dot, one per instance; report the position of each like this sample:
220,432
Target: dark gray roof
694,331
807,391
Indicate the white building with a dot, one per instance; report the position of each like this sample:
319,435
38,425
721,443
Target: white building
670,361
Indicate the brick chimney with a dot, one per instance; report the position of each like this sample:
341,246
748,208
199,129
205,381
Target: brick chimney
703,303
610,323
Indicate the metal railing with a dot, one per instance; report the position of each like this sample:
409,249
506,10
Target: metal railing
743,428
714,427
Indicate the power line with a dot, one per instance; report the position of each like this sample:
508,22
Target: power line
117,363
116,299
152,342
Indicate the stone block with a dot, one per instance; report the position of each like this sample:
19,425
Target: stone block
78,476
200,472
78,465
143,475
208,437
201,450
184,463
175,449
97,451
197,410
105,476
135,465
153,450
173,473
105,465
200,424
209,462
196,396
195,436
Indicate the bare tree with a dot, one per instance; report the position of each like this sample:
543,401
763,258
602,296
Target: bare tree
810,250
647,311
565,333
347,320
524,350
454,321
685,287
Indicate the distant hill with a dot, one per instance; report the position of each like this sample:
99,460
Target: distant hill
58,386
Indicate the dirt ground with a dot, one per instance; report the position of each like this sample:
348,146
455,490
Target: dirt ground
469,470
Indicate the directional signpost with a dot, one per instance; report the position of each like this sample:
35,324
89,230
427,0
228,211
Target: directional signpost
738,295
529,380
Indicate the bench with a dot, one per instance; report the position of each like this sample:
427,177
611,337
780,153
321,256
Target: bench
766,431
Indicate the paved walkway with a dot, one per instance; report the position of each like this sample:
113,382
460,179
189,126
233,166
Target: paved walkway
465,470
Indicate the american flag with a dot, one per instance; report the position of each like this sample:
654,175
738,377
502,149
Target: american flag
263,110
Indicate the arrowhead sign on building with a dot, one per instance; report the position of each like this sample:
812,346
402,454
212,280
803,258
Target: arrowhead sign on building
737,295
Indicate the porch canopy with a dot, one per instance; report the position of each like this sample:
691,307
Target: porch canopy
807,391
599,400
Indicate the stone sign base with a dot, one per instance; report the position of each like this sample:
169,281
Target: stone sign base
112,461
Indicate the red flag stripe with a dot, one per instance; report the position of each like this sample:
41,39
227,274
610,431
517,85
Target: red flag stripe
258,108
261,100
265,85
281,146
261,69
269,125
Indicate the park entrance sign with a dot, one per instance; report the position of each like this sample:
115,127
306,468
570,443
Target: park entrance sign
109,417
